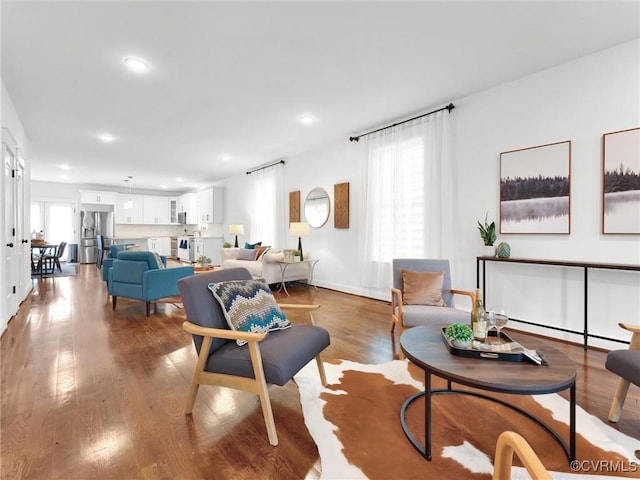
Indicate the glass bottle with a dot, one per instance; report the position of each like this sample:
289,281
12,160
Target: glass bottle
478,319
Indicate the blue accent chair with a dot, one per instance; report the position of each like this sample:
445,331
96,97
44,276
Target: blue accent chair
135,274
110,256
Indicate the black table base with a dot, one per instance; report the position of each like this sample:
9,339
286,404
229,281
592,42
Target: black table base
570,450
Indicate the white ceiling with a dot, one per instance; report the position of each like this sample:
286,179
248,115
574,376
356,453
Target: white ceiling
233,77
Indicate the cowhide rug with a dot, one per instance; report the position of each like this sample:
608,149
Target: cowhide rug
355,422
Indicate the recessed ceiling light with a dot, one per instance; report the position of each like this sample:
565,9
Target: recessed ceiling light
225,157
64,166
136,64
179,179
306,119
107,137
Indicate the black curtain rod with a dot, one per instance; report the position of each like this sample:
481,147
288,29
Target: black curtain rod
249,172
449,107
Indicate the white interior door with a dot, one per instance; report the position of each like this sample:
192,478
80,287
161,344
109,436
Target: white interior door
9,239
23,249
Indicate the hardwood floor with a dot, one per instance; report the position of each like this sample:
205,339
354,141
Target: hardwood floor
92,394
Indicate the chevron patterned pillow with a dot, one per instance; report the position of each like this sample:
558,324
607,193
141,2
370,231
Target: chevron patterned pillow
249,306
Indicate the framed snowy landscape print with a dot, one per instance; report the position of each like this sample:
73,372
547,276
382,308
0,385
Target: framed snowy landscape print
621,182
535,189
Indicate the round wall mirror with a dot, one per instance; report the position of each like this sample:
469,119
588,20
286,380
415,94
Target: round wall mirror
316,207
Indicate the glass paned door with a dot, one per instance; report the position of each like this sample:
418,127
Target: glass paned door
58,224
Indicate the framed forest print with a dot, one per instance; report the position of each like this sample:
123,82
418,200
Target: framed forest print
621,182
535,189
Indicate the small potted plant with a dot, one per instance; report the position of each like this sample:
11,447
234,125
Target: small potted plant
488,235
459,334
296,255
227,245
203,261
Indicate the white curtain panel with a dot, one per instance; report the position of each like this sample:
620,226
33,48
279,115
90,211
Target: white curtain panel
410,201
268,214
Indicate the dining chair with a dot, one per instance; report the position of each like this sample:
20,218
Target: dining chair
51,261
100,256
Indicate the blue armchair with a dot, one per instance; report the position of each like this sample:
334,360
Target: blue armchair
110,256
136,274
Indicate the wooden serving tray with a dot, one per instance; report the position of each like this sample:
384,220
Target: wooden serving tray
470,352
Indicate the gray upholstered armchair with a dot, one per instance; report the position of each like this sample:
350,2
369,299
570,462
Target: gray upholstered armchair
267,358
406,314
625,364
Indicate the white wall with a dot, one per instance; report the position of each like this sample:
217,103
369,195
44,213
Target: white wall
577,101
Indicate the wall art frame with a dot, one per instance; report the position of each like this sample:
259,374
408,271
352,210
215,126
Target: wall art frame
341,205
621,182
294,206
535,189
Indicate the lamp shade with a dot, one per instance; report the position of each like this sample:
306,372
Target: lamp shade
298,229
236,229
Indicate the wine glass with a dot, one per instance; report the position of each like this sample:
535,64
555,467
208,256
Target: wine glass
498,318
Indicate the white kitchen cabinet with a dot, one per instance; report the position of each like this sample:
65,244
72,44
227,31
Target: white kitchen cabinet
97,197
173,210
155,210
160,245
210,205
209,246
129,208
189,203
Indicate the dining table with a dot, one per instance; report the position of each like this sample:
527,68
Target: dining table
38,253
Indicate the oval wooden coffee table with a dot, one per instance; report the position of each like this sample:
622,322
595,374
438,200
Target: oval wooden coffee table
424,347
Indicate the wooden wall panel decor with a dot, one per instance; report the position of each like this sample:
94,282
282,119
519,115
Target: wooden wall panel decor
294,206
341,205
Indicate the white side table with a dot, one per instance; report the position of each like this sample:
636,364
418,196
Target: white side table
283,268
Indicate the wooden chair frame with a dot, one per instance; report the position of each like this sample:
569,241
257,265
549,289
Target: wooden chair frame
623,385
396,306
257,385
508,443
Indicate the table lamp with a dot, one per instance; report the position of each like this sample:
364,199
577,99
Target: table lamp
236,229
299,229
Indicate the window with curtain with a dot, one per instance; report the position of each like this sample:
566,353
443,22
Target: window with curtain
408,195
267,217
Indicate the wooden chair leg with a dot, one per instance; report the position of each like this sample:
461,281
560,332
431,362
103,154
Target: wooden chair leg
114,299
261,384
195,383
618,400
323,376
191,398
148,308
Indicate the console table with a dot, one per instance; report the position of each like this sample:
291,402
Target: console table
584,265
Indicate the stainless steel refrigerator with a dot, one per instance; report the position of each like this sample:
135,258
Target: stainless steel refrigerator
92,224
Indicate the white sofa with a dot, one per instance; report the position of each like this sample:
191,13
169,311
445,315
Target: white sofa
266,266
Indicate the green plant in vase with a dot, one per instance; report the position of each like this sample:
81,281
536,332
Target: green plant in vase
459,334
488,235
203,260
